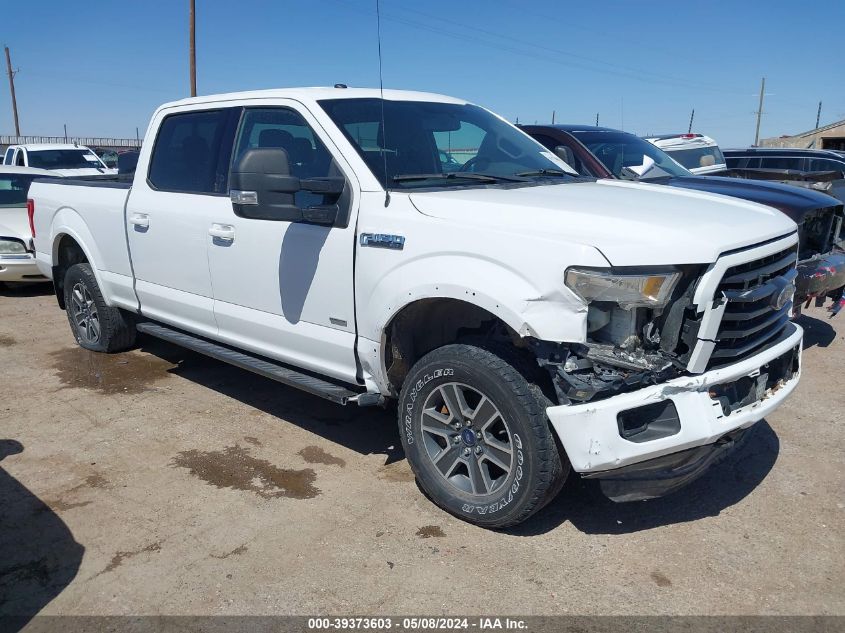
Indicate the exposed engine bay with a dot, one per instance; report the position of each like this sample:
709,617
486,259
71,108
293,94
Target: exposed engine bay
626,348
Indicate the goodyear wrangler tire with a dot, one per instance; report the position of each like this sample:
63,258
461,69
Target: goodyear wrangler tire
476,436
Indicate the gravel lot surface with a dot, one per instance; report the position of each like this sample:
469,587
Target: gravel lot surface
161,482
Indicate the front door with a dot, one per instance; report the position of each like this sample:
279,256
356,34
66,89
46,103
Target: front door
283,289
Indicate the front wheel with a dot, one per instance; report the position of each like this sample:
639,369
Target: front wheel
95,325
476,436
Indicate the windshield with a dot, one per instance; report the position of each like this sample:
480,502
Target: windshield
13,189
696,157
617,150
64,159
430,144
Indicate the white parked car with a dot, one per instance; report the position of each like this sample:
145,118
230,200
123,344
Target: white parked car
17,257
528,321
698,153
63,159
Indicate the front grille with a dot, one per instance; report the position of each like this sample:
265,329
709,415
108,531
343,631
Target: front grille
750,323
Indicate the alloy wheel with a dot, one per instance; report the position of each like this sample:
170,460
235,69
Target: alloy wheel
467,439
85,314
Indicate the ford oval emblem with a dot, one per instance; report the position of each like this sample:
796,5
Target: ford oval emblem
783,297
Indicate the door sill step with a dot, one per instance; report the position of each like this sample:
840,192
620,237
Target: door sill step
255,364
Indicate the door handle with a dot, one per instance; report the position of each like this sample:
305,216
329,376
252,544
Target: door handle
141,220
224,232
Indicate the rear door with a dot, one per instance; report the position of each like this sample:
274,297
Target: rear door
282,289
169,214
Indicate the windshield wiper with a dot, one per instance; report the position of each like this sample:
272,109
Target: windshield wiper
545,172
467,175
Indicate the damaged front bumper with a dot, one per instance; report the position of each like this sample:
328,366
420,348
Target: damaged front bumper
817,277
663,475
682,413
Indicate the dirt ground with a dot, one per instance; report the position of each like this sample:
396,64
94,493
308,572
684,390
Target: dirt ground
162,482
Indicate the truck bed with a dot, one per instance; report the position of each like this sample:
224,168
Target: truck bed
91,212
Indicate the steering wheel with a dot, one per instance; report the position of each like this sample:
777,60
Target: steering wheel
467,166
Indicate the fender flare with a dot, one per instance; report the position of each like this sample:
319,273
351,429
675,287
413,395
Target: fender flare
67,222
553,313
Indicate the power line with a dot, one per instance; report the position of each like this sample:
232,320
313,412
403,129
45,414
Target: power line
612,65
498,45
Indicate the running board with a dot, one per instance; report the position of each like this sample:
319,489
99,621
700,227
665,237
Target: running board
268,369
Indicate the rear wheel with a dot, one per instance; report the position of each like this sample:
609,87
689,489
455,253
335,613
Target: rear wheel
95,325
476,436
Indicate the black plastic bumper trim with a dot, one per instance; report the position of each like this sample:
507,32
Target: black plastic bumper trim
663,475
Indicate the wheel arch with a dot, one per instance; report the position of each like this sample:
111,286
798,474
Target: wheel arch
428,323
67,250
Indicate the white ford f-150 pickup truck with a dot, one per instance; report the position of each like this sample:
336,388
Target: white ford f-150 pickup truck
420,248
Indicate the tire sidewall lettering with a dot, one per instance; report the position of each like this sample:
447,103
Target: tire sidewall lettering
412,398
507,498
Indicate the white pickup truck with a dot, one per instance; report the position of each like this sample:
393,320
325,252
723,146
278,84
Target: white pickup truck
420,248
69,160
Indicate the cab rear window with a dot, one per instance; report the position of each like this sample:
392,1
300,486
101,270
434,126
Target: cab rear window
13,189
697,157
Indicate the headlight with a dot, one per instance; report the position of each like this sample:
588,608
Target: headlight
642,290
11,247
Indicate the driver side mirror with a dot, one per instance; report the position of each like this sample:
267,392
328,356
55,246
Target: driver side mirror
262,188
635,172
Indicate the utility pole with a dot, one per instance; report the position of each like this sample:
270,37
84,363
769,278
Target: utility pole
65,125
760,112
12,74
597,119
691,117
193,47
819,115
553,117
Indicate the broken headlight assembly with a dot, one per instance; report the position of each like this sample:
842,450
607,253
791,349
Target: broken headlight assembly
621,303
625,310
635,290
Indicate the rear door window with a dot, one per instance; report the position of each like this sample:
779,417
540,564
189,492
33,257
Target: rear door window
825,164
189,151
744,162
783,162
7,159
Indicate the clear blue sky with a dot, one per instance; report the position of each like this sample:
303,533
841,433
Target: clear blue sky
102,67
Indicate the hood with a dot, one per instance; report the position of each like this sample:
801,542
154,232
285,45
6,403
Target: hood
14,223
632,224
84,171
794,201
718,168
